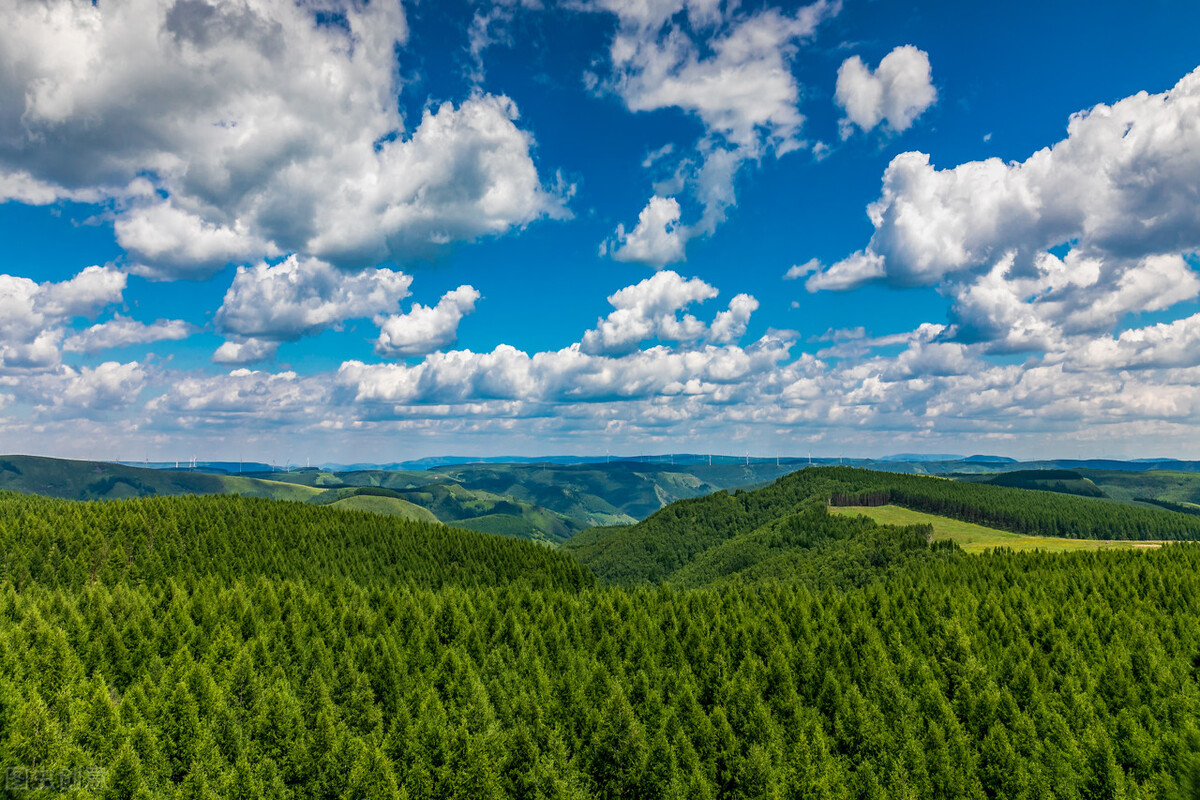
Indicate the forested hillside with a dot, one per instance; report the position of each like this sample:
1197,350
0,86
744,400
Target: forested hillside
664,543
974,677
68,544
213,647
543,502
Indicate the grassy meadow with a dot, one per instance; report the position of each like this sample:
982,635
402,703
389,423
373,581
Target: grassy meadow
977,538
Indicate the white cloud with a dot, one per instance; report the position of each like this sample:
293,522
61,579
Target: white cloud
227,131
656,241
729,326
797,271
243,394
1121,184
898,91
1036,309
732,72
490,26
1162,346
299,297
649,309
171,243
1119,191
84,295
850,272
32,314
122,331
239,351
86,391
718,374
425,329
743,91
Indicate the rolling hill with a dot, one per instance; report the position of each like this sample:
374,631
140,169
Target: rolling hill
97,480
668,544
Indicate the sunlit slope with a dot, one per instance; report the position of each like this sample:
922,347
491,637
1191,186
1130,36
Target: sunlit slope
391,506
657,548
976,538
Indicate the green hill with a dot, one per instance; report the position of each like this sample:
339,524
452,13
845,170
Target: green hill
545,502
657,548
1064,481
63,543
573,496
391,506
94,480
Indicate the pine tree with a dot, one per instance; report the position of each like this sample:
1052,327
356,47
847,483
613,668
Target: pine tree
124,778
180,731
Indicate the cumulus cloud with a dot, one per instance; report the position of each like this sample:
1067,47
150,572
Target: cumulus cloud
122,332
32,315
243,394
651,309
172,243
567,375
656,241
730,325
743,90
1119,192
894,94
268,304
425,329
1162,346
303,296
732,72
226,131
86,391
239,351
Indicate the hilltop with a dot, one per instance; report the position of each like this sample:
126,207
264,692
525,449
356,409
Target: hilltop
726,533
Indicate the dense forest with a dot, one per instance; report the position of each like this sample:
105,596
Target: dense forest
228,647
70,544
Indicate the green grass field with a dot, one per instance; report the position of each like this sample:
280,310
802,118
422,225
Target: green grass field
392,506
976,538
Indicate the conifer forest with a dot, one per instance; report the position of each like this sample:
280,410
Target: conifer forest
744,644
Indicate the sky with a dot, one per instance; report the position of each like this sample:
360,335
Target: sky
351,231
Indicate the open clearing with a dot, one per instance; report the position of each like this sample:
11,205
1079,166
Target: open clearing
976,538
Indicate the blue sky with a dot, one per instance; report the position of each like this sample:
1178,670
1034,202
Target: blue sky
377,232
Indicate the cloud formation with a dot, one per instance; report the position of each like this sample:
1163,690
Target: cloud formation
225,131
425,329
651,309
894,94
730,71
268,304
33,315
122,332
657,239
1119,192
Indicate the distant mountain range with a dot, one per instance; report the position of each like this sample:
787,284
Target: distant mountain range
932,463
551,500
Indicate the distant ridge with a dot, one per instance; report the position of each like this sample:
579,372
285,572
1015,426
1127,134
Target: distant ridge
216,467
916,457
981,459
